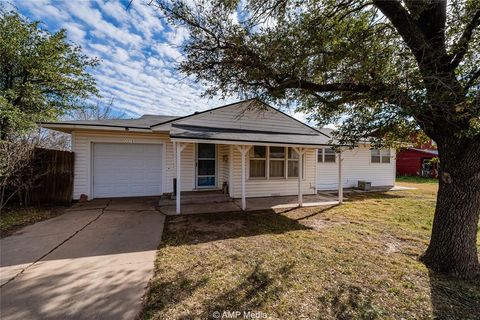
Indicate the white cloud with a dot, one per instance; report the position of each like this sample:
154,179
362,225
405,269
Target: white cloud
75,32
177,36
166,50
138,53
101,28
120,55
43,8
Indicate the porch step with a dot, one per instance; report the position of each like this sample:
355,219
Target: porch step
198,197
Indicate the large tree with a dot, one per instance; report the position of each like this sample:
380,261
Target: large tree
387,66
42,75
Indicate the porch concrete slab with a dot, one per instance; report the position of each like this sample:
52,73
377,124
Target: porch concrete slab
197,197
203,205
282,202
202,208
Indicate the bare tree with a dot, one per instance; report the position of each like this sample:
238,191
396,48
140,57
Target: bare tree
15,159
61,141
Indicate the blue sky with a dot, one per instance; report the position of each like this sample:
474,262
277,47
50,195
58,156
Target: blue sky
138,52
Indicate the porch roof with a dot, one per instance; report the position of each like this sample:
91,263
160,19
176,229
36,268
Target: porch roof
189,133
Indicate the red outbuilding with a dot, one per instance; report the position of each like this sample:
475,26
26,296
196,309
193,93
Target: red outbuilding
417,162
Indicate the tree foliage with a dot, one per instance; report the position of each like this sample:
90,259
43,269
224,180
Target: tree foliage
381,67
42,74
341,60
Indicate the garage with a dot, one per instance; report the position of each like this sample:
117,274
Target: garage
126,170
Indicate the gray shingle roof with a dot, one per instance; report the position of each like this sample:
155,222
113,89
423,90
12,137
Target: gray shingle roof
145,121
221,134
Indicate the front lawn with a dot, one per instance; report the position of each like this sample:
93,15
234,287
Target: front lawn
12,219
354,261
416,179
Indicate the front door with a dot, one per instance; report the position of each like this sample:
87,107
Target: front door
206,165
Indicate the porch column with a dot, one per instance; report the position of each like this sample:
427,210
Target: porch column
300,152
340,179
243,153
178,146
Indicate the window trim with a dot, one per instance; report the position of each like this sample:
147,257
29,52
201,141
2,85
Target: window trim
296,160
267,160
381,155
263,159
278,159
322,152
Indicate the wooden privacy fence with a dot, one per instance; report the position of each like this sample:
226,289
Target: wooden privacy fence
53,175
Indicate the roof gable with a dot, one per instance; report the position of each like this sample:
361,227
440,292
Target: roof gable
250,114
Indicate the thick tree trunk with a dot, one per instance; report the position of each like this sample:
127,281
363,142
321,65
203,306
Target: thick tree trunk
453,245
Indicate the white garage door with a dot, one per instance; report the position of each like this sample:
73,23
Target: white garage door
126,170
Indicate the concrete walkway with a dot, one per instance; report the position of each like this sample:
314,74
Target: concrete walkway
93,262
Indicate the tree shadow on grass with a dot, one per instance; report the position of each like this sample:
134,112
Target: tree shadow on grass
347,301
257,288
376,195
454,298
202,228
163,294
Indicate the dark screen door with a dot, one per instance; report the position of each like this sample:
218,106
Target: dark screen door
206,165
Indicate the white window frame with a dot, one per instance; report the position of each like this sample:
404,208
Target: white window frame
264,159
297,160
383,153
267,160
322,152
284,160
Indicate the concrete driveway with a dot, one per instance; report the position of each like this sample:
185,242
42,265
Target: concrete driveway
93,262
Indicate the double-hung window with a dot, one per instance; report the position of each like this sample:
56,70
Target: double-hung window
273,162
277,162
292,163
380,155
258,160
326,155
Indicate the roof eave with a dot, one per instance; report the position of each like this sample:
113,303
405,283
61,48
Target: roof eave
250,142
69,128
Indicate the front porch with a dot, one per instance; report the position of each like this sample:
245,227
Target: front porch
248,164
216,202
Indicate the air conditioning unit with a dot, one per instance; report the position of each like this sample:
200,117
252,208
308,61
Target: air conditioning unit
364,185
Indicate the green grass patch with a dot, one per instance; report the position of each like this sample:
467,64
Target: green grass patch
416,179
12,219
352,261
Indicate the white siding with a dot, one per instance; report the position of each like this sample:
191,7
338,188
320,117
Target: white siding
188,172
188,168
273,187
356,166
223,164
82,146
242,116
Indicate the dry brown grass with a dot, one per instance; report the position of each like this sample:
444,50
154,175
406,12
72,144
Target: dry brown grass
354,261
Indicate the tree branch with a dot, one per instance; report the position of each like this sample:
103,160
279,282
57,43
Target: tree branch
460,48
471,79
315,87
405,25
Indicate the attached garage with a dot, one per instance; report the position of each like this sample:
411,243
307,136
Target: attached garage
126,170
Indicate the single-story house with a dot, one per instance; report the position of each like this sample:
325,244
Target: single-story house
248,148
417,162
